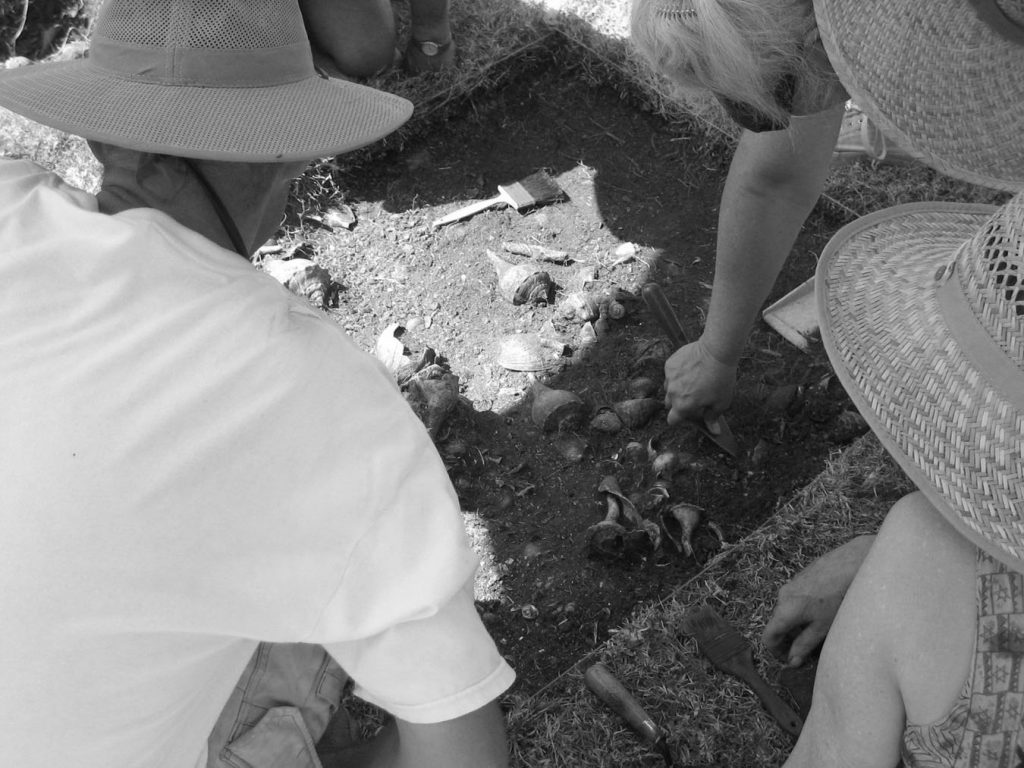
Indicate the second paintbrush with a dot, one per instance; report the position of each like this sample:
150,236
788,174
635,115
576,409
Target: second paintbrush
728,650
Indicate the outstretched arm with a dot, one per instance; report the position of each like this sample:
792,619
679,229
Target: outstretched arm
774,181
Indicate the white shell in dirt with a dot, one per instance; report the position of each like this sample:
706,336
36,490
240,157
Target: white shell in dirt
530,352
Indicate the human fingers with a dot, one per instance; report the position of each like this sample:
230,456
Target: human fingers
787,618
807,642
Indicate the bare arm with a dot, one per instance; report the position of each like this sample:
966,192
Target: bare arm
774,181
475,740
900,647
809,601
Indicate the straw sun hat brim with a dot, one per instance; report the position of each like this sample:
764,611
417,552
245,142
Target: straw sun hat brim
314,117
937,407
937,80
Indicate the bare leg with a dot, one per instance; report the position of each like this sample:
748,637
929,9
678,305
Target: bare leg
358,36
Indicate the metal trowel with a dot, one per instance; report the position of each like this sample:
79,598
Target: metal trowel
716,430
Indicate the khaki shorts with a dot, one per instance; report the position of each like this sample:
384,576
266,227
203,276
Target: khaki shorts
287,701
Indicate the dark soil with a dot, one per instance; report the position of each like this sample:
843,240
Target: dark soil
630,179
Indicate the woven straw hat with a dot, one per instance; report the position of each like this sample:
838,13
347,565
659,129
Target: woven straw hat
215,79
922,316
943,78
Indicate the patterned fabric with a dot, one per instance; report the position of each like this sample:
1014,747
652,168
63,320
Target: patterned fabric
983,729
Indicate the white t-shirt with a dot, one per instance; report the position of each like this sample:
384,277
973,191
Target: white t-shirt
193,459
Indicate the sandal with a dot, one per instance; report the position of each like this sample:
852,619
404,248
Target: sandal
859,137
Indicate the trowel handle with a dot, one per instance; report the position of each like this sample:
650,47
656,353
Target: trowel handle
609,690
657,303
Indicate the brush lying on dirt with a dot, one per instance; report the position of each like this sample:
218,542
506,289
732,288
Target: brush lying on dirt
728,650
536,189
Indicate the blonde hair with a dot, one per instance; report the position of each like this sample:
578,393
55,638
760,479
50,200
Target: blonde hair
738,49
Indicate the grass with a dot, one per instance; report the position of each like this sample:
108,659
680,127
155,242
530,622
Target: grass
712,720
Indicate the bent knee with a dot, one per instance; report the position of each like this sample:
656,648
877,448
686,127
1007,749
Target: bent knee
912,516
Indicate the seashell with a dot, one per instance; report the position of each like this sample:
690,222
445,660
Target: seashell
605,539
340,216
579,307
607,421
637,411
642,386
657,494
414,364
635,451
571,447
679,523
615,310
530,352
588,335
433,399
609,486
759,454
666,464
522,283
303,278
641,541
389,348
556,409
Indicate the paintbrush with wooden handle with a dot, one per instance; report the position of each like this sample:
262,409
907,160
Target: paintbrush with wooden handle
730,652
536,189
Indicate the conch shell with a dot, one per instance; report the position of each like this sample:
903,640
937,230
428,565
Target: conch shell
679,522
303,278
645,535
522,283
433,398
556,409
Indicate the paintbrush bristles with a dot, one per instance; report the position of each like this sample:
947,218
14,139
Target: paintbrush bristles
535,189
716,638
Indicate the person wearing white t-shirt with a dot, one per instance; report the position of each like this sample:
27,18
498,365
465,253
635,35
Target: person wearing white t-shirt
216,510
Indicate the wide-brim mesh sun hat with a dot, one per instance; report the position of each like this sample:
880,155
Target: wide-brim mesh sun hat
921,309
941,78
215,79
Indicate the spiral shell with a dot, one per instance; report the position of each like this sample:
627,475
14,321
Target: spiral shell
303,278
522,283
637,411
607,421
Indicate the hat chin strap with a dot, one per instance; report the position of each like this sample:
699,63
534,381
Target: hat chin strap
220,209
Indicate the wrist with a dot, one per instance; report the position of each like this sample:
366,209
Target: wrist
719,354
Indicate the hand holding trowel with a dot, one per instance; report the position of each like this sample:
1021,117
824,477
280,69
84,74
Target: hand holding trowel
716,430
